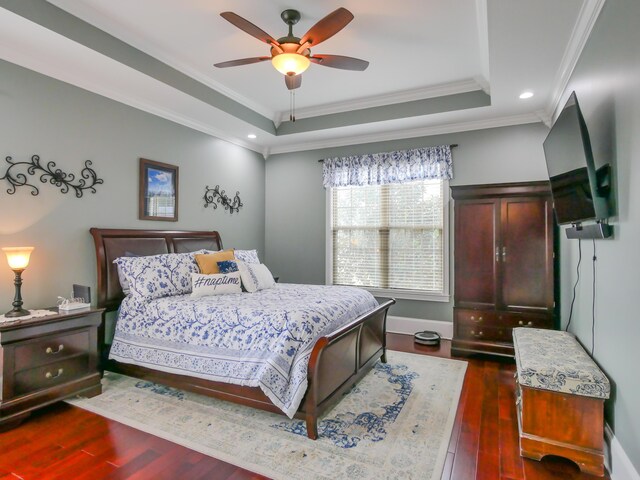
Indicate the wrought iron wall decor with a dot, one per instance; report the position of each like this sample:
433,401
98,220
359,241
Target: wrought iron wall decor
213,196
49,174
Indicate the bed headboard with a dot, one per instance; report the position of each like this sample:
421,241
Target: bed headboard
113,243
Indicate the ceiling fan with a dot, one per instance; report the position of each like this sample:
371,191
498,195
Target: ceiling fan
291,55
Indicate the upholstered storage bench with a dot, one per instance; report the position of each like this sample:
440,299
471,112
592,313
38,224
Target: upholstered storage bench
560,397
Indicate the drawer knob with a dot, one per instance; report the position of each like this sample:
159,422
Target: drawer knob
529,324
50,351
479,334
51,375
472,317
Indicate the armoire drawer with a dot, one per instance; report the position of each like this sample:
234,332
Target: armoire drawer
514,320
475,317
483,333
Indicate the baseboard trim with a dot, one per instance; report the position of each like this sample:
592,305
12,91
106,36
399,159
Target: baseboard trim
409,326
616,459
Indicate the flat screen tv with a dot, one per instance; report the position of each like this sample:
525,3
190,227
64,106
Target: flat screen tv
578,189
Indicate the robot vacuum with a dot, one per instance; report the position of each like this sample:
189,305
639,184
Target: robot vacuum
427,338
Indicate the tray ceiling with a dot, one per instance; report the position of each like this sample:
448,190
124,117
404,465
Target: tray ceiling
435,65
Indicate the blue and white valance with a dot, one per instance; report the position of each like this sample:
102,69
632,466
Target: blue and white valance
389,167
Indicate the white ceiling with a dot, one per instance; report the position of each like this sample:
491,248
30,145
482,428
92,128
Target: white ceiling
416,48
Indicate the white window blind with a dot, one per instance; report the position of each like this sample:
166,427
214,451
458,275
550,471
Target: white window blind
389,236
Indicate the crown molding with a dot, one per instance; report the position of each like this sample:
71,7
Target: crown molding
440,90
142,44
543,116
214,85
505,121
482,21
483,83
35,63
587,17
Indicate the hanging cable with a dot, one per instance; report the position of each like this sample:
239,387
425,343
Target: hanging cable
573,300
593,301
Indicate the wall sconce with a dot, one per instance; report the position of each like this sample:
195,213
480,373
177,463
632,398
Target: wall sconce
18,259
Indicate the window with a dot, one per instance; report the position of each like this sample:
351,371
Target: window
390,239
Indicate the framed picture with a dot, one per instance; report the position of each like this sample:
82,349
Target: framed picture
158,198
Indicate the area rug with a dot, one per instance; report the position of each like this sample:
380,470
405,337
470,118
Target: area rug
394,424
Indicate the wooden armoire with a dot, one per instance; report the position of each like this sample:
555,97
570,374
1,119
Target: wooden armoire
504,264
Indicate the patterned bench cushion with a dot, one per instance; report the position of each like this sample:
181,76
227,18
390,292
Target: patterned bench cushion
554,360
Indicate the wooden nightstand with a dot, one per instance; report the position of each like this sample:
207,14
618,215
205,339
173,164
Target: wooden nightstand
47,359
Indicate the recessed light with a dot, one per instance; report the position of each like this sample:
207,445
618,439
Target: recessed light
525,95
251,136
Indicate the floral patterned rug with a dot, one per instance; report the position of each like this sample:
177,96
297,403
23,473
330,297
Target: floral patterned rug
394,424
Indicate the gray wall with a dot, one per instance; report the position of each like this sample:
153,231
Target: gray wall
296,201
68,125
606,81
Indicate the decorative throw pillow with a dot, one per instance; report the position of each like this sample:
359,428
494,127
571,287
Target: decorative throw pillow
216,284
124,283
227,266
247,256
156,276
255,276
208,262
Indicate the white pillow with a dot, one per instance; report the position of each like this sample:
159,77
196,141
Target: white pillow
255,276
247,256
216,284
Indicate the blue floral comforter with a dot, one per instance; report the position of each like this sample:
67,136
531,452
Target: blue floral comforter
260,339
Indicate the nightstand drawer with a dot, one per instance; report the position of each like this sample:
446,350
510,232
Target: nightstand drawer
52,348
50,375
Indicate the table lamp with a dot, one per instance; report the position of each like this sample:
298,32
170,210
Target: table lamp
18,259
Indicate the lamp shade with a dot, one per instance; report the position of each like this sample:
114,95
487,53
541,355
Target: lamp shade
18,257
290,63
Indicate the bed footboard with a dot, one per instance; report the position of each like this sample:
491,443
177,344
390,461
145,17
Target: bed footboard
339,360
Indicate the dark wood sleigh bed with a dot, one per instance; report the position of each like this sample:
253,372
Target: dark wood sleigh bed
338,360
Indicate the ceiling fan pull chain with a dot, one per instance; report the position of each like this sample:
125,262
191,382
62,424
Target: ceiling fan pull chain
292,106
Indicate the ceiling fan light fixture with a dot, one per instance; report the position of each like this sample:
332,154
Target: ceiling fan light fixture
290,63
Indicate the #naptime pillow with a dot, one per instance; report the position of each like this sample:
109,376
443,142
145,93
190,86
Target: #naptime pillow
208,262
216,284
255,276
156,276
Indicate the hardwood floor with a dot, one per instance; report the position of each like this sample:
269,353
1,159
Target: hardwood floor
65,442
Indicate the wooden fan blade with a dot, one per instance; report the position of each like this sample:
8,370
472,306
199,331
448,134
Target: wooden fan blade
248,27
327,27
341,62
293,81
241,61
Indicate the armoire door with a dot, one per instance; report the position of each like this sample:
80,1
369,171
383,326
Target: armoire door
526,254
476,275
